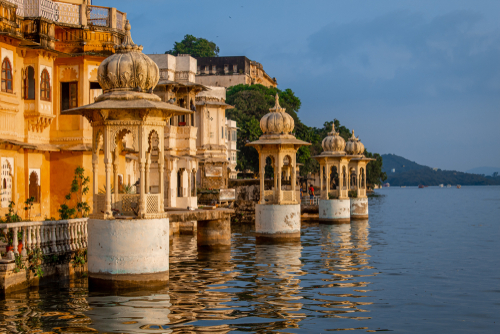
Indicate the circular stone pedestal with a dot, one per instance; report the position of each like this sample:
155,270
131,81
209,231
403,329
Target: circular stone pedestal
277,223
128,253
359,208
334,211
214,233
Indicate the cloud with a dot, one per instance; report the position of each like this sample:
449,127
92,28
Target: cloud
407,54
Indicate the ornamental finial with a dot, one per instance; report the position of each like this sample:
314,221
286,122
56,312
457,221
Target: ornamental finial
128,44
277,107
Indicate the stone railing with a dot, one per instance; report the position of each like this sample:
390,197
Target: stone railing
288,196
269,195
99,16
51,237
120,20
71,13
41,8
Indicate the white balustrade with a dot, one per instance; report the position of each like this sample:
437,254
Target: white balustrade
68,13
51,237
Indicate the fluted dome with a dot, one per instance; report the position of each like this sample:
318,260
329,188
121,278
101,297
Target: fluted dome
128,69
277,121
354,146
333,143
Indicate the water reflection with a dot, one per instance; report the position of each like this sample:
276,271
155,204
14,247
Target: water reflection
343,257
257,288
277,284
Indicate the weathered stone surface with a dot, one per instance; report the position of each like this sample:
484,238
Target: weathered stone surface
281,222
128,247
214,233
359,208
335,210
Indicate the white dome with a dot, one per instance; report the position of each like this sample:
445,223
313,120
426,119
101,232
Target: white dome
128,69
354,146
333,143
277,121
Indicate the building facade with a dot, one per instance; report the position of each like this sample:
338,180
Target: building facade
231,134
231,71
50,52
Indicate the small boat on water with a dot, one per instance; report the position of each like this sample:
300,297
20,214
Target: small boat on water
403,186
448,186
421,186
459,186
441,185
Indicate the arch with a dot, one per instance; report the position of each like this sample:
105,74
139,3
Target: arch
45,89
153,141
6,193
117,135
29,83
34,186
7,76
344,183
334,177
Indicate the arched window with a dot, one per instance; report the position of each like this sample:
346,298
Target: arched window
29,83
45,86
34,187
6,76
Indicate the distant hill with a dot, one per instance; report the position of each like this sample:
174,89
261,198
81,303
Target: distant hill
403,172
488,171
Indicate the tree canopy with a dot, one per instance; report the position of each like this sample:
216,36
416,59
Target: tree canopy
196,47
251,102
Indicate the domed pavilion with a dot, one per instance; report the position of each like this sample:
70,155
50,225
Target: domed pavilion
357,177
334,204
121,250
277,215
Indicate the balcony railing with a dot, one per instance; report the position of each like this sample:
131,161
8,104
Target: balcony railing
70,13
99,16
51,237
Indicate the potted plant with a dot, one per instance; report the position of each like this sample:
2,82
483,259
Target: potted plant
8,237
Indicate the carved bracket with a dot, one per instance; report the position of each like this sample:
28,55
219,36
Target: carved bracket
38,122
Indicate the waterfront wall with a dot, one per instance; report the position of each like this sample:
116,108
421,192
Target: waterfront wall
46,250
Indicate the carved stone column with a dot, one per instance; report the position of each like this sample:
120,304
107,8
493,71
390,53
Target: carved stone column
161,164
107,163
148,164
321,179
95,181
262,174
327,180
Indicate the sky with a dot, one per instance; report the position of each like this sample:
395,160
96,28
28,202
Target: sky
420,79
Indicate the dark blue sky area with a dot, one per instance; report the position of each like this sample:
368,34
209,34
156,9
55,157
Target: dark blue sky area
419,79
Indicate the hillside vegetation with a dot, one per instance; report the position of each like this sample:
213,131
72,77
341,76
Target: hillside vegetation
409,173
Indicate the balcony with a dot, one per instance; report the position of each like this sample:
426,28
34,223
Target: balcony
67,13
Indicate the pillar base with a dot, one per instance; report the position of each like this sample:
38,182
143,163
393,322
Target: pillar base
124,253
127,281
335,211
214,233
277,223
359,208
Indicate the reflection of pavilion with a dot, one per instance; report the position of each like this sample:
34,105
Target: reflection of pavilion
191,274
277,290
343,256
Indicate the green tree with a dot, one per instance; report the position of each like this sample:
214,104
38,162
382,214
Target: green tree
374,174
196,47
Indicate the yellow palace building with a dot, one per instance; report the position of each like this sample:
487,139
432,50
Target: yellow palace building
49,52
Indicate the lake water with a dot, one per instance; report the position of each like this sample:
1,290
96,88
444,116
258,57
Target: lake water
427,261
